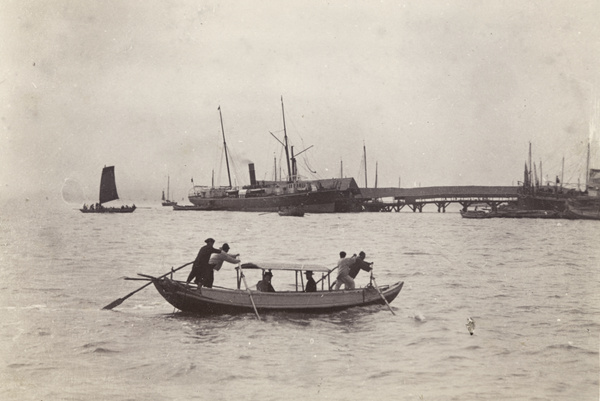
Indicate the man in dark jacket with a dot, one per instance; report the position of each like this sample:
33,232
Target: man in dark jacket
311,284
360,264
201,270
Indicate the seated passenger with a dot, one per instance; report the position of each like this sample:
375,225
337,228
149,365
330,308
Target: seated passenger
264,285
311,285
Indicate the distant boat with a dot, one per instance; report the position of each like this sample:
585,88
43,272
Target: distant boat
295,211
166,201
512,214
190,207
108,192
583,209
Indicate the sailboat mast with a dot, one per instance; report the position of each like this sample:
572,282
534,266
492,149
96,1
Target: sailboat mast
587,167
168,187
287,153
376,167
530,167
562,173
225,146
365,156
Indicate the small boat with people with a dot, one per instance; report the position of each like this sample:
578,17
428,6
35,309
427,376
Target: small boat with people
190,298
108,192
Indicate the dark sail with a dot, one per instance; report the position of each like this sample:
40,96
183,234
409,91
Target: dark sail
108,188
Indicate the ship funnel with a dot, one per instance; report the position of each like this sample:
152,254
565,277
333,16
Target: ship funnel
252,174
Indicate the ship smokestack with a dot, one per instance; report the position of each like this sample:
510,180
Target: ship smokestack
252,175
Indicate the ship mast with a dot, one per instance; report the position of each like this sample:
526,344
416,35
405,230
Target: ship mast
225,147
587,167
365,156
168,187
287,154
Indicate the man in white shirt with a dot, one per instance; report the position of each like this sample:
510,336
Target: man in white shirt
216,261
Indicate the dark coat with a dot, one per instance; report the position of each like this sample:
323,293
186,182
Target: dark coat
359,265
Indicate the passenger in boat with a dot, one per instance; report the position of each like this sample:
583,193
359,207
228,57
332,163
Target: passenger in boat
344,272
264,285
201,270
360,264
84,206
311,285
216,262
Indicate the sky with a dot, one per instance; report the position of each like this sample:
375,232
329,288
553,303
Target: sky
435,93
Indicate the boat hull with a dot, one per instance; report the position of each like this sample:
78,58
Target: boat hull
311,202
109,210
214,301
513,214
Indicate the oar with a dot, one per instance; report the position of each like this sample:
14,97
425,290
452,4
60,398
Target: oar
119,301
379,291
248,289
328,274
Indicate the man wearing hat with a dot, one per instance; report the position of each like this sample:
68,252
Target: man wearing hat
201,270
311,285
216,261
264,285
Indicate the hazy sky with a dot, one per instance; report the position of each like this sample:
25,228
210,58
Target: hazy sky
440,93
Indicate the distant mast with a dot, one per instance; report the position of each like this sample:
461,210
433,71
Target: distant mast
168,187
365,156
562,174
587,168
285,139
225,146
376,167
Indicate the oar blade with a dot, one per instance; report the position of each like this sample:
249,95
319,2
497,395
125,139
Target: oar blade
114,304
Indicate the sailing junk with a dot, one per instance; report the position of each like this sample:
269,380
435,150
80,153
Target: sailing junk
108,192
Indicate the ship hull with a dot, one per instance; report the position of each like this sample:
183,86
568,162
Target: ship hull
311,202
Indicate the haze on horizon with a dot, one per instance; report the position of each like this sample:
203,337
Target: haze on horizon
438,93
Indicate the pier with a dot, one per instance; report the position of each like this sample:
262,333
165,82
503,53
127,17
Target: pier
416,198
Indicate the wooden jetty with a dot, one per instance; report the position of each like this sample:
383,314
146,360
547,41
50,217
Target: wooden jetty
372,199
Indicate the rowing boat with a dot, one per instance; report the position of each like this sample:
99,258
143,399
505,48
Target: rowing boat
217,300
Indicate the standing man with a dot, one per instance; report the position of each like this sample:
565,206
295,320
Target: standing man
344,272
360,264
216,261
201,270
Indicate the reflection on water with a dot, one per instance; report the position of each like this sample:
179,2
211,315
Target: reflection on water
531,286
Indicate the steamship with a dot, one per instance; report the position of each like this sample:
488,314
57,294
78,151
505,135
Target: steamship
341,195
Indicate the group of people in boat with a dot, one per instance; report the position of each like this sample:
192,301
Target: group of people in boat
211,259
348,269
208,260
98,206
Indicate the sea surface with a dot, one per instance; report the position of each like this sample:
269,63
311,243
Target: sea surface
531,286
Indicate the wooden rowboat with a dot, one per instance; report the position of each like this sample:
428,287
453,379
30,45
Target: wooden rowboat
210,301
295,211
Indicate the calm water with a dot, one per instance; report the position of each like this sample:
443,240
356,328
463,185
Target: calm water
532,287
